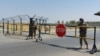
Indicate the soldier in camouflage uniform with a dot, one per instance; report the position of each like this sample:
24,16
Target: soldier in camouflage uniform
83,32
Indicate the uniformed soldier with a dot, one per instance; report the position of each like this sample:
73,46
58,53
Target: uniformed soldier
34,29
83,32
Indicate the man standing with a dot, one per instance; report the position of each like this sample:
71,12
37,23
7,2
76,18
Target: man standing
82,31
34,29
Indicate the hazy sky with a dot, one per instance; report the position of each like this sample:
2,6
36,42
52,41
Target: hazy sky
54,10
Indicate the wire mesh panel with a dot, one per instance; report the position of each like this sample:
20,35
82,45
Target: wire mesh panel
24,24
9,25
17,24
5,25
53,29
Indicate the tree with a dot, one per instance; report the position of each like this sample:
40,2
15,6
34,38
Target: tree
66,23
72,22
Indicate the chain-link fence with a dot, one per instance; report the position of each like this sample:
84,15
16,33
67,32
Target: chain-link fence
20,25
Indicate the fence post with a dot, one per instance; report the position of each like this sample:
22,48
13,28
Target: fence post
30,27
45,24
39,27
94,48
7,27
75,31
13,26
21,25
3,26
49,28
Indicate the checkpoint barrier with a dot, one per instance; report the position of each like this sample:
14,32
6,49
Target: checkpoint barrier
14,27
77,27
94,48
52,32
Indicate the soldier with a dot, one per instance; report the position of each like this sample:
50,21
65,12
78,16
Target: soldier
34,29
83,32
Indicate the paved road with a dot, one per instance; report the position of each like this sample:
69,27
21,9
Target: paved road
51,46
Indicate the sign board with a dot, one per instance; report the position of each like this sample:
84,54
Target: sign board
60,30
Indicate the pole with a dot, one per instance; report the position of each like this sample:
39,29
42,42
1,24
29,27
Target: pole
49,28
39,36
94,49
39,27
45,26
7,26
21,25
75,31
30,27
13,26
3,26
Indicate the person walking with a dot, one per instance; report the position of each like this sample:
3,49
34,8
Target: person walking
83,32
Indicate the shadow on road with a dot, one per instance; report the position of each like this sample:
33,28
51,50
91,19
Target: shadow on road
68,48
